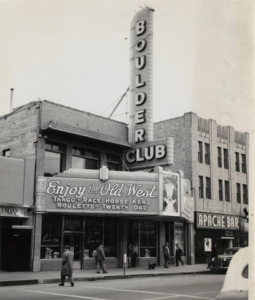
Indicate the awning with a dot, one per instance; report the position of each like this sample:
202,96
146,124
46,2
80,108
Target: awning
87,133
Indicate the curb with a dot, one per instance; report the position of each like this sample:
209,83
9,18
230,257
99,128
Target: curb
78,279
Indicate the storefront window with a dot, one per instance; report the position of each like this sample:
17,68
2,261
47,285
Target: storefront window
144,233
93,235
110,238
147,238
51,236
180,235
170,237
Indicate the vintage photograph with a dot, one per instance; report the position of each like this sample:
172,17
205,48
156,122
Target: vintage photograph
127,149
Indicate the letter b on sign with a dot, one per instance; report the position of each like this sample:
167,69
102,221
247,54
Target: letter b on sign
140,27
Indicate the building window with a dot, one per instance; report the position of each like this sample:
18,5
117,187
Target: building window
226,158
113,162
179,235
53,159
100,230
201,187
243,163
220,190
51,236
245,194
7,152
85,159
200,152
208,187
219,158
237,162
207,154
227,198
238,193
144,233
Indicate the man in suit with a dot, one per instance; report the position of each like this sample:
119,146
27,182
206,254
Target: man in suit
67,266
166,255
178,255
101,259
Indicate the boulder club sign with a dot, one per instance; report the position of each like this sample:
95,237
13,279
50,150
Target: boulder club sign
146,152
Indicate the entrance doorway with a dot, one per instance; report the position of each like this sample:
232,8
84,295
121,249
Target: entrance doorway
74,240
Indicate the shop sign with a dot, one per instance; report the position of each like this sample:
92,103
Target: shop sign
19,212
146,152
208,244
229,233
217,221
95,196
187,202
169,194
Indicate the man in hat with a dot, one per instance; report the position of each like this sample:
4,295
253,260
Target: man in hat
101,259
67,266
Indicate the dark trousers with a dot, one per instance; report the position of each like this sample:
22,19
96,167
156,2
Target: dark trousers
101,264
133,261
63,277
166,257
177,260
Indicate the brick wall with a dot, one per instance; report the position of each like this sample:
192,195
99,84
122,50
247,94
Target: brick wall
185,132
18,131
73,117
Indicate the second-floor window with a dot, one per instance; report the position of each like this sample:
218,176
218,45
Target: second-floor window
201,187
113,162
53,159
237,162
238,193
243,163
219,158
225,158
227,197
208,188
220,190
207,154
245,194
85,159
200,152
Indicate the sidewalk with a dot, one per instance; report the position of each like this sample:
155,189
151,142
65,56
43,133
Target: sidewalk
25,278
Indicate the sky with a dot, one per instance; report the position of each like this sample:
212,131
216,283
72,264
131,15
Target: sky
76,53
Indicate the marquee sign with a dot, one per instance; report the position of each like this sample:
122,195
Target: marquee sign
146,152
16,212
217,221
133,194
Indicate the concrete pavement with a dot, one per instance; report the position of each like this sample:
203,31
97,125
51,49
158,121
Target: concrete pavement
25,278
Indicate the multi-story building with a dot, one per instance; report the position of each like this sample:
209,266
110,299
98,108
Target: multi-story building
59,138
214,158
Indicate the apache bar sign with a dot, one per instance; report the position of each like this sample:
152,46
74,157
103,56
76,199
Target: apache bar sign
217,221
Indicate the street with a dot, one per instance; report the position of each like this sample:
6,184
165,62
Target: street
181,287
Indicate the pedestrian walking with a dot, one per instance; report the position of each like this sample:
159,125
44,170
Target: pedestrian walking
214,255
130,253
134,255
67,266
166,254
101,259
178,255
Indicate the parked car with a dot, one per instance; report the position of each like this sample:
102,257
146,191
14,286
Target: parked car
235,285
222,262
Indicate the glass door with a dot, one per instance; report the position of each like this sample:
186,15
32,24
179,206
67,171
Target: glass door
74,240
